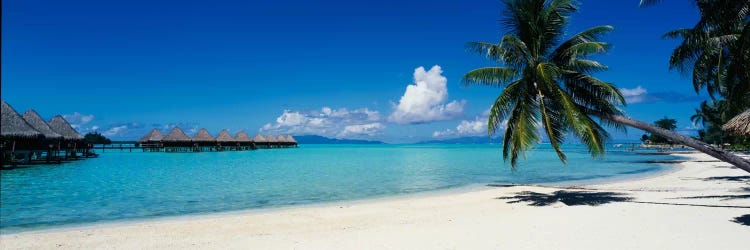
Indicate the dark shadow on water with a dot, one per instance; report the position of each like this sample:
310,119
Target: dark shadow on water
728,178
570,198
639,171
742,220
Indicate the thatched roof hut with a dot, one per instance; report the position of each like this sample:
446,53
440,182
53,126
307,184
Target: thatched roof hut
242,137
176,135
32,118
62,127
291,139
154,136
224,136
739,125
281,138
270,138
203,136
259,138
13,125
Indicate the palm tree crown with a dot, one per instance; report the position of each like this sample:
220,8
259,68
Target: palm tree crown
716,51
547,81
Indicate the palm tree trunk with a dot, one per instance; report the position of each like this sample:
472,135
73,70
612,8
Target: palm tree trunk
720,154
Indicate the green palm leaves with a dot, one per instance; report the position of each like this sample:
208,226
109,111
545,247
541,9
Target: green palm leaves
547,83
716,52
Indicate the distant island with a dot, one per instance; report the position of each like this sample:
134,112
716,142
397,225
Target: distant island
316,139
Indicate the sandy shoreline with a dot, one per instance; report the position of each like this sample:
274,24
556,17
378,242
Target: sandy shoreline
690,207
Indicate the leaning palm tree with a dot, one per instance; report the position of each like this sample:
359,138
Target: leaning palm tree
548,83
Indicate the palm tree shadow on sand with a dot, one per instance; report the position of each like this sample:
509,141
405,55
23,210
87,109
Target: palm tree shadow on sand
742,220
728,178
570,198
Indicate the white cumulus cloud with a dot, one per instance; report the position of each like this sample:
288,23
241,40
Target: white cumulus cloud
114,131
425,100
634,95
370,129
77,120
341,122
476,127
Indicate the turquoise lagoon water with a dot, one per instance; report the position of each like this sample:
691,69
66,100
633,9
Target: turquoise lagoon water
124,185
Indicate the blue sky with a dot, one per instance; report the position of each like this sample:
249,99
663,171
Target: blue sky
339,69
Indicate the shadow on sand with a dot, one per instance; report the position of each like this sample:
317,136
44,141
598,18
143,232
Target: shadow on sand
728,178
570,198
722,197
742,220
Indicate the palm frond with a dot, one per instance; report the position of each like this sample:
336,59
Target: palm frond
490,76
521,133
589,35
502,105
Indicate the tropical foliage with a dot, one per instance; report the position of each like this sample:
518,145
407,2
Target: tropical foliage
548,84
665,123
715,52
547,81
96,138
709,116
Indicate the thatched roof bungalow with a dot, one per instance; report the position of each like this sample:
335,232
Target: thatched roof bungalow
739,125
242,137
62,127
176,135
203,136
153,136
281,139
291,139
259,138
271,139
32,118
14,126
224,136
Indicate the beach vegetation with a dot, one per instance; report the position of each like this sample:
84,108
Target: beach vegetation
96,138
665,123
715,53
549,87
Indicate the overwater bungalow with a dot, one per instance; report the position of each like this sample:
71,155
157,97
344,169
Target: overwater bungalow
151,141
28,139
291,141
177,141
244,141
260,141
283,141
226,141
271,140
72,142
18,136
51,144
153,136
203,141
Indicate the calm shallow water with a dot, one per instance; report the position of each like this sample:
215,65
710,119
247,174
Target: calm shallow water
124,185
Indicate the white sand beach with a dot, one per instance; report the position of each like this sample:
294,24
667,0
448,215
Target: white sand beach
689,208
